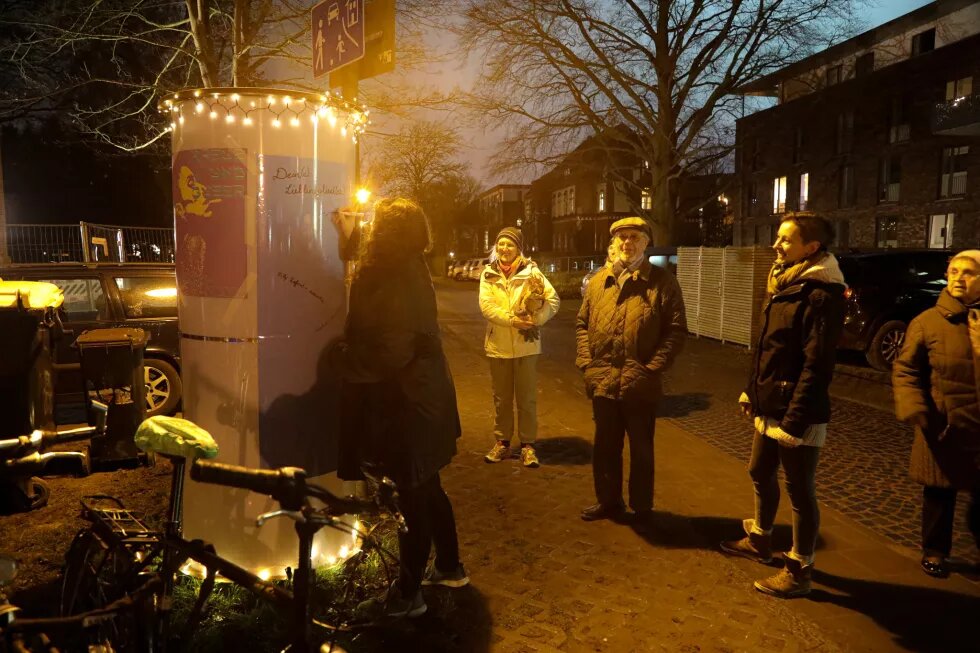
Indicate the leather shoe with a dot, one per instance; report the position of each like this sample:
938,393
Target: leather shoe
935,566
601,511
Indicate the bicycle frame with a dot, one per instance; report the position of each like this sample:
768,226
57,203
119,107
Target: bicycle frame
116,529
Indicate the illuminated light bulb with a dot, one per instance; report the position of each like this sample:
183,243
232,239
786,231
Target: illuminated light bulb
343,131
294,121
252,103
264,574
287,100
323,98
181,120
313,119
322,112
271,99
197,94
234,97
176,96
344,551
332,119
172,125
199,107
247,121
276,123
229,118
213,114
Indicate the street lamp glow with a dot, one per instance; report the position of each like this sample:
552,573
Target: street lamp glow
362,195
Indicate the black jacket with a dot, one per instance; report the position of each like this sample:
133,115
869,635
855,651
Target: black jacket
392,354
794,360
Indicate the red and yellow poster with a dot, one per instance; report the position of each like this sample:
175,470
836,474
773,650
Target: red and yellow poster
209,217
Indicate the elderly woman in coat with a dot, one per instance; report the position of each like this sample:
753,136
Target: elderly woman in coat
936,380
391,352
516,299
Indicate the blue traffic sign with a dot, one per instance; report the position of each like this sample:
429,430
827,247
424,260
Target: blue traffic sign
338,34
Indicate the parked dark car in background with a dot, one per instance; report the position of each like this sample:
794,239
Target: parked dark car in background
107,295
886,289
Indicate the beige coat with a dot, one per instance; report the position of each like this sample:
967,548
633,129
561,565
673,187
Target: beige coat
501,299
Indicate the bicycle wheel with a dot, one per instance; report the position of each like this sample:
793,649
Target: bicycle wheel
96,573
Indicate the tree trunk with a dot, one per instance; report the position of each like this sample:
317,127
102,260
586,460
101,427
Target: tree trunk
239,55
197,14
4,254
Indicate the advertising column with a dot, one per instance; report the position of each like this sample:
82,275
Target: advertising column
256,177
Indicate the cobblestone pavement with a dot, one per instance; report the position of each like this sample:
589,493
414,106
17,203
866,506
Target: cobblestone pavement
863,468
551,582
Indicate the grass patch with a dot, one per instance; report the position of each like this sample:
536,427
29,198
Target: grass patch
235,620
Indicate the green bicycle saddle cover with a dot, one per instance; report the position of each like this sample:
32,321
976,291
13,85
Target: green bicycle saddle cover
172,436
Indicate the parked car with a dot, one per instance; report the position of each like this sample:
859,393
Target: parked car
886,289
107,295
476,269
460,269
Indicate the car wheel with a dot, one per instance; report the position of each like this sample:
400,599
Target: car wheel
886,345
163,387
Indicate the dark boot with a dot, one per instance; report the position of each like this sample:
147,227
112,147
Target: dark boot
792,581
754,546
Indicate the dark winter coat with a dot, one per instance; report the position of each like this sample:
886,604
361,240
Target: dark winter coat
628,336
392,351
796,352
937,375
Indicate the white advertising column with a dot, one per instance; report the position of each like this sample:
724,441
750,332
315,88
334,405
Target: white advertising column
256,176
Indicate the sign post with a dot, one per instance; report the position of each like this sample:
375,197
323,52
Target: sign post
338,34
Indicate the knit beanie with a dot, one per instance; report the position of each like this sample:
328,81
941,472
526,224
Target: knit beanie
514,234
972,254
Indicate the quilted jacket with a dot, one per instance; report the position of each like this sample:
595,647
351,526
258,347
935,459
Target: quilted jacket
937,374
628,335
499,300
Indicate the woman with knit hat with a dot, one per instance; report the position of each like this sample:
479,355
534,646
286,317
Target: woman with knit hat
936,380
516,299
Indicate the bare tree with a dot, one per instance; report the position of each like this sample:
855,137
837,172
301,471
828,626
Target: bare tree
106,64
663,71
419,162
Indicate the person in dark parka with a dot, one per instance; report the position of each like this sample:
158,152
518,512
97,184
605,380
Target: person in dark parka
392,351
788,395
936,379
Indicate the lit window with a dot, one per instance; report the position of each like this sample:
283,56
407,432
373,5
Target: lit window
804,190
941,231
958,89
646,200
601,198
779,195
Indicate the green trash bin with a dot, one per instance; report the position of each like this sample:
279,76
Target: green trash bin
112,370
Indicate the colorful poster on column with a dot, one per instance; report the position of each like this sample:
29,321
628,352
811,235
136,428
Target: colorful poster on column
209,216
301,309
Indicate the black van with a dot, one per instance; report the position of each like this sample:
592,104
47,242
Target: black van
886,289
106,295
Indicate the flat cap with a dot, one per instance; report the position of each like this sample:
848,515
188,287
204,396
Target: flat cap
631,223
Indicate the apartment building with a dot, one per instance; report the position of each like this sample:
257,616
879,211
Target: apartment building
880,133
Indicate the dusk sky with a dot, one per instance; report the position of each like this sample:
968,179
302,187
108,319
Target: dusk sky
481,142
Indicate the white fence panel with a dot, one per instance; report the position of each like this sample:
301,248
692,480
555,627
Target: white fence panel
723,290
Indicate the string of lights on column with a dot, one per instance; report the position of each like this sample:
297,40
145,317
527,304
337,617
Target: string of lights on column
246,106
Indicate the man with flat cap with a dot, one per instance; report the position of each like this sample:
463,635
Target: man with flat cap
628,332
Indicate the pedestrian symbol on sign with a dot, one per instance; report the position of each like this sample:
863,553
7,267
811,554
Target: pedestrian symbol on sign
338,34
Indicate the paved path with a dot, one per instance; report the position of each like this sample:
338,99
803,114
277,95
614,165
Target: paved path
543,580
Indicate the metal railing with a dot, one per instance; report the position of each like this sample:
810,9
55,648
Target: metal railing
959,117
87,242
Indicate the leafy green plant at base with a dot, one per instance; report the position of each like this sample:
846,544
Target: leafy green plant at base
235,620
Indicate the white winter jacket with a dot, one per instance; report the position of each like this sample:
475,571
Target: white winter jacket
499,299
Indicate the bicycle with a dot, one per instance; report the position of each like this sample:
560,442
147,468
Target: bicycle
22,461
19,635
105,559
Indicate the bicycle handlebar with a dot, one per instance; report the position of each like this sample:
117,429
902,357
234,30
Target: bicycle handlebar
287,485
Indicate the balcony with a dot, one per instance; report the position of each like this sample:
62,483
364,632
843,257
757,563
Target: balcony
959,117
